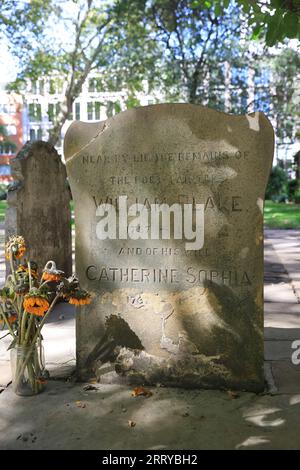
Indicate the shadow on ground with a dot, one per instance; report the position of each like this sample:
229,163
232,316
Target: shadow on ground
67,417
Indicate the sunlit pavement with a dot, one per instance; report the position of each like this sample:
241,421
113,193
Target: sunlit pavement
66,416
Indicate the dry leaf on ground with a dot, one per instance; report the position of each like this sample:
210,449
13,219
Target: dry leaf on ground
141,392
80,404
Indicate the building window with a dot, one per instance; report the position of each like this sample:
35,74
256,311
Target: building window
93,110
77,111
109,109
33,87
35,112
35,134
7,148
113,107
6,108
97,110
90,111
94,85
55,86
42,87
11,129
52,87
53,111
5,170
32,135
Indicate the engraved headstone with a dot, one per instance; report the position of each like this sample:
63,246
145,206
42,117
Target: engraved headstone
169,236
39,205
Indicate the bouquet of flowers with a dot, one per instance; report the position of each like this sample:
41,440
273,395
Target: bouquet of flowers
26,301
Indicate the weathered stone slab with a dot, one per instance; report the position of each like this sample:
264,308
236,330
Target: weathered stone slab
179,300
39,205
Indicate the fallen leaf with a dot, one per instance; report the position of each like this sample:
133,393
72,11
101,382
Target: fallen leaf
141,392
80,404
232,395
131,424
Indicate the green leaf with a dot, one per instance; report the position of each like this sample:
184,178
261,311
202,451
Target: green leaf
218,9
207,4
256,32
275,31
195,4
276,3
291,24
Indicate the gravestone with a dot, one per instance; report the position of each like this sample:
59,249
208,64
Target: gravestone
169,238
39,205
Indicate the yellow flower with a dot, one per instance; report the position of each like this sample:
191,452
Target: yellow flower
35,304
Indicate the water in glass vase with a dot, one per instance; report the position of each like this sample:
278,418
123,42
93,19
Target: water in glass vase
28,371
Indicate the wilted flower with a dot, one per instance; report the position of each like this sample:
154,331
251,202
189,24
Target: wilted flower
51,273
36,303
15,246
11,319
24,269
22,287
79,297
73,293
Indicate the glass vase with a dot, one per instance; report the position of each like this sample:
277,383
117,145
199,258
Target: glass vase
27,366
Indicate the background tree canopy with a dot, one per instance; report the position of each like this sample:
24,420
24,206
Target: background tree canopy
190,50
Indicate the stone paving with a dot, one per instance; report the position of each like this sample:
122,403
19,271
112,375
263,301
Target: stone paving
67,416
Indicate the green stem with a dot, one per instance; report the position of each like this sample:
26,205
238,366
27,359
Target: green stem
23,326
38,332
27,335
29,273
11,261
6,321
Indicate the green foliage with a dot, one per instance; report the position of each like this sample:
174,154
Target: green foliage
297,197
4,138
281,216
292,188
277,184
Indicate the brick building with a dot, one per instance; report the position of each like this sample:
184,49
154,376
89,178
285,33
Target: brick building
11,122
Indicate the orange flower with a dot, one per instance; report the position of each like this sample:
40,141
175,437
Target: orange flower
51,277
11,319
80,301
35,304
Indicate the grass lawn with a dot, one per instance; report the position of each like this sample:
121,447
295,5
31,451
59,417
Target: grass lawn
2,211
280,215
277,215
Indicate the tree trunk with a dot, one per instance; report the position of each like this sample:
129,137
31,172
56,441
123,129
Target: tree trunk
55,133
